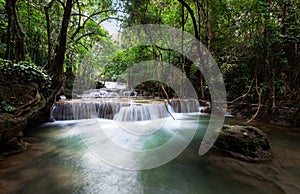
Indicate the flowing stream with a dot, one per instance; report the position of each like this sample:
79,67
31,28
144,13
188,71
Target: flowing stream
61,162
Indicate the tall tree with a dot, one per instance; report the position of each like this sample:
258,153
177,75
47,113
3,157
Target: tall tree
15,46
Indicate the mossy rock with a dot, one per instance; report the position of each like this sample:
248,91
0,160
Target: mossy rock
244,142
16,77
24,88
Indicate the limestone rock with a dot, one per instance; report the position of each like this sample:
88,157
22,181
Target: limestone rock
244,142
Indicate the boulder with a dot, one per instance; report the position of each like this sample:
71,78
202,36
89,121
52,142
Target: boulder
11,129
244,142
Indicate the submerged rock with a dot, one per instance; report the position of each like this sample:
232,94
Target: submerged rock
244,142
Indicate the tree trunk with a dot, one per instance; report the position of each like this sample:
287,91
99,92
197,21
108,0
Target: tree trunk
158,75
199,8
16,48
56,67
197,36
209,24
182,56
49,57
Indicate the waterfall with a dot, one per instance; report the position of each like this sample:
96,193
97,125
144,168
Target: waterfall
184,105
142,112
83,110
121,111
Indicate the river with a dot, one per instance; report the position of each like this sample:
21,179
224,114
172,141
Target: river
59,161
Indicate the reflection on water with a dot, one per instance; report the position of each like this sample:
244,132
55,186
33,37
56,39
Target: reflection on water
68,166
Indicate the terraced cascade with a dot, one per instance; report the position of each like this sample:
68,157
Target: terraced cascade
126,110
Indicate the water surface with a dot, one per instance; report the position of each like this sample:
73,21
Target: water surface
63,163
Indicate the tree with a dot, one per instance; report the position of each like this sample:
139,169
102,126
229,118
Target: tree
55,69
15,46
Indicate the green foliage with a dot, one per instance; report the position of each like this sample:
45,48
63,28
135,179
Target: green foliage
27,71
3,26
4,107
32,18
247,39
119,61
279,84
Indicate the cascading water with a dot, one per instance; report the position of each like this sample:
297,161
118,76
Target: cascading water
142,112
184,105
121,111
83,110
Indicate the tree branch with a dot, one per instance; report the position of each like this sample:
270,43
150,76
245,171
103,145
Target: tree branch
244,95
62,4
85,35
259,92
80,27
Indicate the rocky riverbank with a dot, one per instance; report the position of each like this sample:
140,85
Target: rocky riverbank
282,171
23,88
282,115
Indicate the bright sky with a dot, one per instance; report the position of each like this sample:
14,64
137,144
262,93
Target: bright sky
111,26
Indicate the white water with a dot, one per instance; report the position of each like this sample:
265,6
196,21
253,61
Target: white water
121,111
141,112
